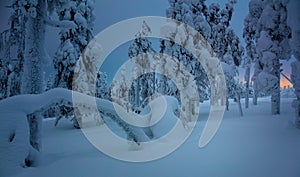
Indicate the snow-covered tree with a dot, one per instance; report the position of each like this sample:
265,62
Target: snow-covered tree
233,57
272,34
34,60
249,34
17,152
234,88
226,45
53,111
234,47
199,10
142,82
213,23
120,92
12,53
102,90
295,74
64,63
191,13
49,84
3,79
73,40
247,66
33,16
219,20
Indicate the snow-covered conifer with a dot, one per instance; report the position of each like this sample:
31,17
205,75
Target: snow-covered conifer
272,34
295,74
101,86
35,57
73,40
140,49
249,33
191,13
12,53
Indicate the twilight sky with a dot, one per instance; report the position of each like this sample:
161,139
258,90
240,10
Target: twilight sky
109,12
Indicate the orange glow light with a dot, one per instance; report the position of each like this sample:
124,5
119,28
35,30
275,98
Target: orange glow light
285,83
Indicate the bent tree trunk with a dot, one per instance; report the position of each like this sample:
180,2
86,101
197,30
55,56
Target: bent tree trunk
16,118
64,97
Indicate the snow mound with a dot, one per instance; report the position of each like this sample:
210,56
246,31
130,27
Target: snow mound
16,152
15,149
159,128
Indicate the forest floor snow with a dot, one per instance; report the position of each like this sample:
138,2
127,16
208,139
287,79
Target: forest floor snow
255,145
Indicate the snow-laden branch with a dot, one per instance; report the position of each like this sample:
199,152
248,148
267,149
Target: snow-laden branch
55,23
23,105
60,24
29,103
36,102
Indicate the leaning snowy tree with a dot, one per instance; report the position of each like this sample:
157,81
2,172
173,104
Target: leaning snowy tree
272,37
37,14
16,152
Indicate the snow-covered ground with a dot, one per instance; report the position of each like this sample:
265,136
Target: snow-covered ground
256,145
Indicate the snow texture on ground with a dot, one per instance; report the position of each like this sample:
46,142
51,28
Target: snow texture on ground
257,144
